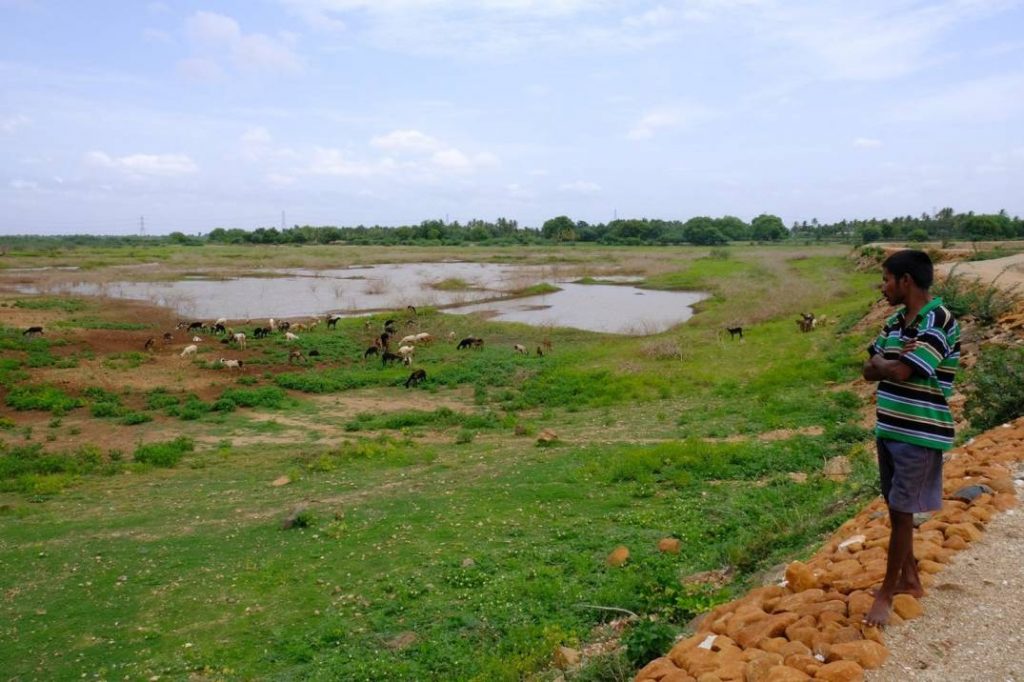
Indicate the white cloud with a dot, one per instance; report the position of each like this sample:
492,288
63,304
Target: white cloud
163,165
988,99
10,124
24,185
580,187
156,36
867,143
675,117
406,141
216,35
199,69
280,180
327,161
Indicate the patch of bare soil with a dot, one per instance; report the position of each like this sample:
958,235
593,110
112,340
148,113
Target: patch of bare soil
1006,273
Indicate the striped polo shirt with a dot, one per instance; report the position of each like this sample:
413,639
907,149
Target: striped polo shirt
916,410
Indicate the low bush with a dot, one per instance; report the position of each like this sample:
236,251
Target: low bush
985,303
68,305
647,639
165,454
995,387
266,396
159,399
41,397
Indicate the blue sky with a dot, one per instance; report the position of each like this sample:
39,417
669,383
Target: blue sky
340,112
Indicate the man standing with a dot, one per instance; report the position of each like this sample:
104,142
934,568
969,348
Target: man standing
914,361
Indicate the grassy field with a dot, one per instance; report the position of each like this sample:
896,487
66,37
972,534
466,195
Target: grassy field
432,536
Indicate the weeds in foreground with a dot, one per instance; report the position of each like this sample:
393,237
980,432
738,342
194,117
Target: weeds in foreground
995,387
964,297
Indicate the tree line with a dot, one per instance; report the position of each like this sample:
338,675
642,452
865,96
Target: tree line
945,225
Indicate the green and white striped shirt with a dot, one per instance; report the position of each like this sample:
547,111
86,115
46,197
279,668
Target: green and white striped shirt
916,410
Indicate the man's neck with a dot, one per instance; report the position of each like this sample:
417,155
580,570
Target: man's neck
916,300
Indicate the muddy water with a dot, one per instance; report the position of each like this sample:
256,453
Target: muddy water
353,291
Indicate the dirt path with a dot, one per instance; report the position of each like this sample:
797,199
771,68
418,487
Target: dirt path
973,627
1005,272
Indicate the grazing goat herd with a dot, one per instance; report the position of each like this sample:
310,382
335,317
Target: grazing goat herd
383,344
806,323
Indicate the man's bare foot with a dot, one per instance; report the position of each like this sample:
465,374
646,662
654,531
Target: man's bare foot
879,613
915,591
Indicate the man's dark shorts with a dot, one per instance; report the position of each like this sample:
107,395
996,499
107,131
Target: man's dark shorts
911,476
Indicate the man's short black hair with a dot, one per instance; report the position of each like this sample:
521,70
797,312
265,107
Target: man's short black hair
917,264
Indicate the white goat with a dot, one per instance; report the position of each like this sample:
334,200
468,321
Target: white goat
221,320
231,364
424,337
240,340
290,337
190,350
520,348
406,351
273,325
407,340
451,336
197,339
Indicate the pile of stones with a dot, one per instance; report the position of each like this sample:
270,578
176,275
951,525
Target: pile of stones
811,626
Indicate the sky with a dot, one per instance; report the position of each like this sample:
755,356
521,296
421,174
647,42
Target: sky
185,116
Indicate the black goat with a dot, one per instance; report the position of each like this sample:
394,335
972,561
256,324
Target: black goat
470,342
372,350
150,342
32,331
734,331
387,357
195,327
415,378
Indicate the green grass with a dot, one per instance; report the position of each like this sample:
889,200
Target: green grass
453,525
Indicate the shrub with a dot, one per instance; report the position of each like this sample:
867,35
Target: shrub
986,303
995,392
159,398
646,640
165,454
133,418
41,398
267,396
68,305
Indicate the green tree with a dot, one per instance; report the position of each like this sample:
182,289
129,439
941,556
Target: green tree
703,231
561,229
768,228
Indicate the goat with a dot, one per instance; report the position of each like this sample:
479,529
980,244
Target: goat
273,325
219,329
734,332
284,326
415,378
240,340
32,331
451,336
299,327
407,340
546,343
540,353
411,309
231,364
389,327
221,321
189,351
807,322
194,326
168,337
314,353
406,351
387,357
196,339
290,337
519,348
150,342
384,338
332,322
372,350
296,355
424,337
470,342
260,332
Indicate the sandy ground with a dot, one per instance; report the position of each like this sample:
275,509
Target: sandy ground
1006,272
973,627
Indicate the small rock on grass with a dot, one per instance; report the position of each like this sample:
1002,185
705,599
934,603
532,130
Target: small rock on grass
670,545
618,556
280,481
